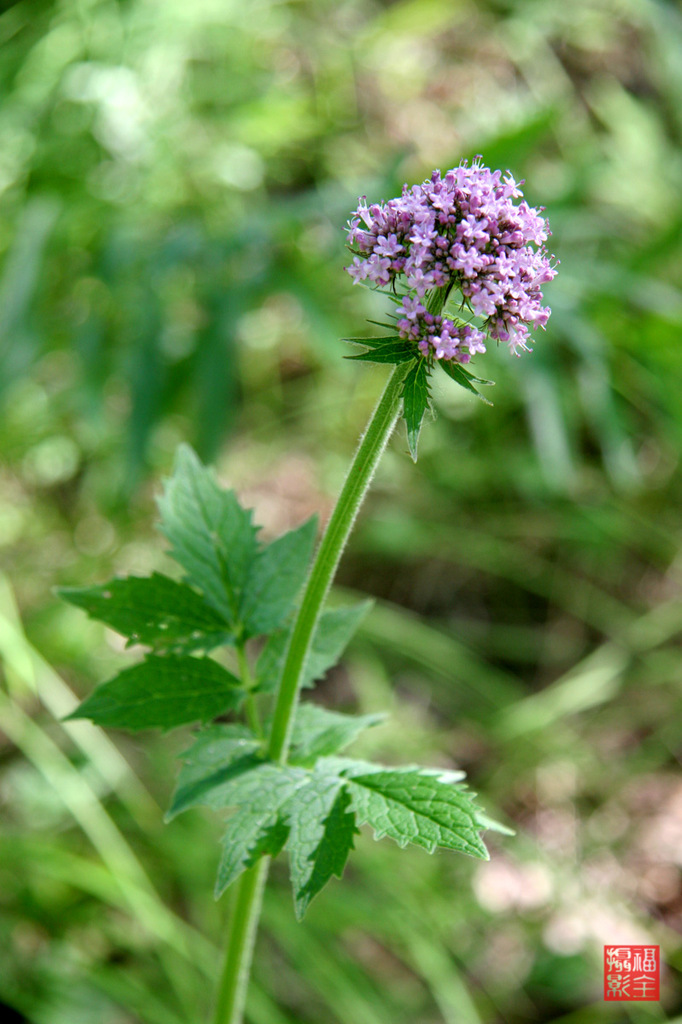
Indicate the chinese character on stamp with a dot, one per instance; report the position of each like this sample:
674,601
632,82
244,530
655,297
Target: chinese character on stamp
632,972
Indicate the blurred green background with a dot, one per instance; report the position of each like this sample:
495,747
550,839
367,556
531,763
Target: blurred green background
175,178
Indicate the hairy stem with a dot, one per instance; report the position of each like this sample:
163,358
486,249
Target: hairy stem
233,985
234,979
359,477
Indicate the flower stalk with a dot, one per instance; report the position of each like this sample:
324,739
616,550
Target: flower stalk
359,477
234,979
247,906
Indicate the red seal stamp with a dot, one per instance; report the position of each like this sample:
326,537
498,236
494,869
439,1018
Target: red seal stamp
632,973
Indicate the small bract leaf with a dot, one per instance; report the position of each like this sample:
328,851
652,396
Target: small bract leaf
460,376
415,396
163,692
472,376
385,350
373,342
382,323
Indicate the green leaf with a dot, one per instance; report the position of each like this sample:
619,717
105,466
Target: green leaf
313,812
276,576
213,538
332,635
218,754
153,610
321,837
373,342
258,826
464,378
390,348
415,395
270,841
391,352
492,825
163,692
318,731
415,805
334,630
381,323
271,661
472,376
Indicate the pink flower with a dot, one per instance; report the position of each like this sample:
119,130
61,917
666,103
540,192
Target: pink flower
461,230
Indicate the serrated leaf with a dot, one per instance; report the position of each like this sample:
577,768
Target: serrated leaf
318,732
275,578
460,376
258,826
213,538
163,692
153,610
415,395
219,753
492,825
271,840
334,630
415,806
321,835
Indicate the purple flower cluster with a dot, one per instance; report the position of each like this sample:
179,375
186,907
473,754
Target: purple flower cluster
436,335
465,230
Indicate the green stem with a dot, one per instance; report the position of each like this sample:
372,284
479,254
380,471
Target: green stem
239,952
234,980
359,477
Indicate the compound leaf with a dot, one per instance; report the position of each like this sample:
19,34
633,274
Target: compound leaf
153,610
163,692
